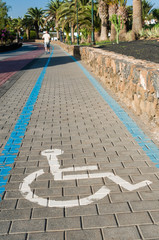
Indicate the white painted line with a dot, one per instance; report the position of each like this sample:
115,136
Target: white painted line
57,172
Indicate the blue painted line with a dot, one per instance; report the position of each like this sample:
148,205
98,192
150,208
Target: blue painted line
148,146
13,144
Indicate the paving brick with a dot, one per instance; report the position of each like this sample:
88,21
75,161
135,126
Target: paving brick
8,204
113,208
150,231
77,190
126,219
155,216
124,196
13,237
121,233
23,226
47,213
81,211
99,221
15,214
46,236
59,224
5,226
145,205
84,235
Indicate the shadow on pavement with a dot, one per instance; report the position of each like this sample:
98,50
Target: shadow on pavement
13,65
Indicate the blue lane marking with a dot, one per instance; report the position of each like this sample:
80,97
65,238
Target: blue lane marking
13,144
151,150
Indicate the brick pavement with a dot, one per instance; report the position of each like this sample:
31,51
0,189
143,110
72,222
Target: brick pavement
70,115
10,66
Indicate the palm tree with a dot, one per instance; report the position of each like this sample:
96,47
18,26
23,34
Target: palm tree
52,10
37,18
122,11
137,16
103,14
3,14
112,10
67,14
27,24
85,20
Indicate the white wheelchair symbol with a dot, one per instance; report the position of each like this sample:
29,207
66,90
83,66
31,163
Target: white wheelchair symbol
59,175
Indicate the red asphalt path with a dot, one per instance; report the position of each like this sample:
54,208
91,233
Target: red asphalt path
12,65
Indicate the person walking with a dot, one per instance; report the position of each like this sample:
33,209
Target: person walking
46,38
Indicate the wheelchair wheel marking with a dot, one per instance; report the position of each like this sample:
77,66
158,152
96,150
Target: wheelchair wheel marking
59,175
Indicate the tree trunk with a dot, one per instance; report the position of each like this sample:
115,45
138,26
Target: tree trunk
104,30
103,14
57,29
96,36
37,31
137,16
112,32
28,33
112,10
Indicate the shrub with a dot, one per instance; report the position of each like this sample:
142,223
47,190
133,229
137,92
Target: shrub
150,33
6,37
32,34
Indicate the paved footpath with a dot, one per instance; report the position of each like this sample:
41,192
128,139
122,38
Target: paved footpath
13,61
73,165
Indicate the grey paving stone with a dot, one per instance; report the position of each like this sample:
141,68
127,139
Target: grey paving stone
113,208
77,191
121,233
59,224
13,237
126,219
155,216
26,226
84,235
150,231
145,205
15,214
13,195
150,195
46,212
81,211
46,236
5,226
99,221
124,196
8,204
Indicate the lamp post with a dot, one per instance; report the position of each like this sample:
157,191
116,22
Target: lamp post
77,22
92,35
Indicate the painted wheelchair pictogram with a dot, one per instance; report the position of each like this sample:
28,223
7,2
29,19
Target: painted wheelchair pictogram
59,175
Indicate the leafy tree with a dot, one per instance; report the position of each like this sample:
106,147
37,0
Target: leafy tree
37,16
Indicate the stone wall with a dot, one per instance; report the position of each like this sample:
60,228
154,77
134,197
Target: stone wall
135,82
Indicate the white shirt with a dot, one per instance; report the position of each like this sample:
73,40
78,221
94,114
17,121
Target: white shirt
46,37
